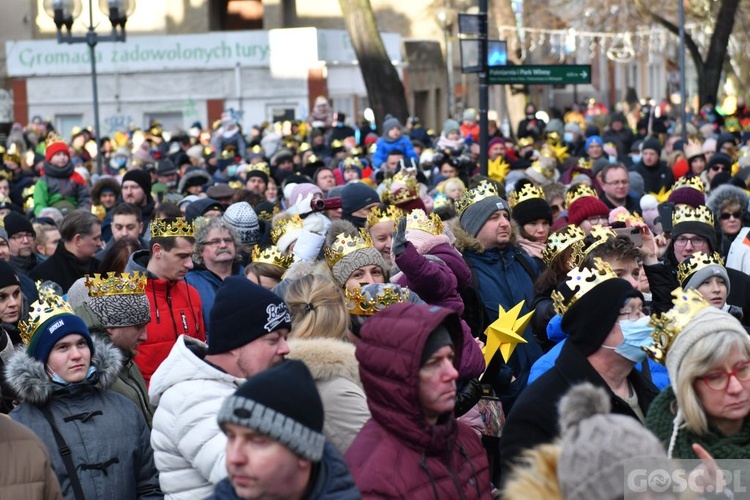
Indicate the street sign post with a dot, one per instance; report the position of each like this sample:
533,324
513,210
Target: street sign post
541,74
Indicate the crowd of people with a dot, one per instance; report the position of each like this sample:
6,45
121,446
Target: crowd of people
305,310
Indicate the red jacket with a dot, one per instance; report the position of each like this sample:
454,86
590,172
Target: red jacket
398,454
175,310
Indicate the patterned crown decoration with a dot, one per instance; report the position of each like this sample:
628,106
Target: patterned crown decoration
600,234
229,152
572,236
525,142
12,154
685,213
409,192
360,304
577,192
687,303
48,306
126,284
585,164
313,160
267,216
691,182
337,144
621,214
344,244
581,281
485,189
695,263
527,192
282,226
53,138
390,214
441,201
351,161
271,255
172,228
693,148
261,166
256,150
432,223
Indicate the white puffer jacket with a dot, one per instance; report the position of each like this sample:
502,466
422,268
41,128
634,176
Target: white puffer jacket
189,447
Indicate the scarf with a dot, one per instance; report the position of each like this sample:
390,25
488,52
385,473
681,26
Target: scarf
532,248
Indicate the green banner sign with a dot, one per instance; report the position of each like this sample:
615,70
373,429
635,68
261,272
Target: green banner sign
541,74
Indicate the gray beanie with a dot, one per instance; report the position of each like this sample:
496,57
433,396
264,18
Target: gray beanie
111,311
79,300
450,126
349,263
596,445
3,234
390,122
697,278
477,213
244,221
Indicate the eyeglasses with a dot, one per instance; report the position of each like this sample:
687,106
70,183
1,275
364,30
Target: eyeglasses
22,236
732,215
719,381
617,183
716,168
695,241
218,241
598,220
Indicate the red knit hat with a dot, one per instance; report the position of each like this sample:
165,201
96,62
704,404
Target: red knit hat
56,146
585,208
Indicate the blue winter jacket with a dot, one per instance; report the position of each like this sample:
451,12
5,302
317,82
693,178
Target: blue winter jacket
207,283
384,146
333,481
659,376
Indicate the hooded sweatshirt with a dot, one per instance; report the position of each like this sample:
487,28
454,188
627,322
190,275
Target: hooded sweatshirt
61,184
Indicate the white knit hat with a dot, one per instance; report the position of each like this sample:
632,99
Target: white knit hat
243,219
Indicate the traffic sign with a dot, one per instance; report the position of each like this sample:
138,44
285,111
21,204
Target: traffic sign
541,74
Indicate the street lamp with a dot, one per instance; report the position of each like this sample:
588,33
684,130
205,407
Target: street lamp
446,18
63,12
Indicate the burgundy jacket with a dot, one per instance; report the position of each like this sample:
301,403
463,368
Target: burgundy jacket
437,282
398,454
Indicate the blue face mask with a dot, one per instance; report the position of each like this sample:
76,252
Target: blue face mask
636,334
636,158
58,379
568,137
121,161
231,170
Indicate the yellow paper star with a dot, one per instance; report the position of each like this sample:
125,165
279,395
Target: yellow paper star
662,195
505,332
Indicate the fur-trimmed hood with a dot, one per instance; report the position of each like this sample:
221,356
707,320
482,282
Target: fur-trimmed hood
535,478
466,242
722,194
28,379
326,359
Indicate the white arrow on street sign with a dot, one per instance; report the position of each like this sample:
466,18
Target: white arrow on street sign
584,74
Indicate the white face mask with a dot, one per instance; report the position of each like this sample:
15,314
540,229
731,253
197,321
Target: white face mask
568,137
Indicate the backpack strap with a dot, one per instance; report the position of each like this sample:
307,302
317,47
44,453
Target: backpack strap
64,451
525,261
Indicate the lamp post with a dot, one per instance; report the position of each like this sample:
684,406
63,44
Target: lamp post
64,12
446,19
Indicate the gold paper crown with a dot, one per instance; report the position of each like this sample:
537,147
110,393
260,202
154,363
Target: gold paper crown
172,228
693,149
625,216
257,149
281,226
53,138
360,305
229,152
409,192
12,154
691,182
585,164
352,161
432,224
685,213
313,159
344,244
441,201
696,262
687,303
580,282
337,144
577,192
485,189
125,284
527,192
304,147
600,234
560,241
261,166
525,142
271,255
391,213
49,305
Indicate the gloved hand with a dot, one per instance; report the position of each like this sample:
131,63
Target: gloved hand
399,238
303,206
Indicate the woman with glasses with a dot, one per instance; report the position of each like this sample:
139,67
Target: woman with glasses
706,406
729,206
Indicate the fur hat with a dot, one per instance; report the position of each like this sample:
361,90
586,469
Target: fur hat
597,444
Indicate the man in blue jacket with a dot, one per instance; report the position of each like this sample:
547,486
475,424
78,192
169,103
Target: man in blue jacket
502,273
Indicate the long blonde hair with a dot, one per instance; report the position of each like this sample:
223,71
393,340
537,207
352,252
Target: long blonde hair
318,308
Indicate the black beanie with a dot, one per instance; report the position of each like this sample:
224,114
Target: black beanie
283,404
16,223
531,210
356,196
652,143
140,177
8,276
438,338
698,228
243,312
591,318
200,207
